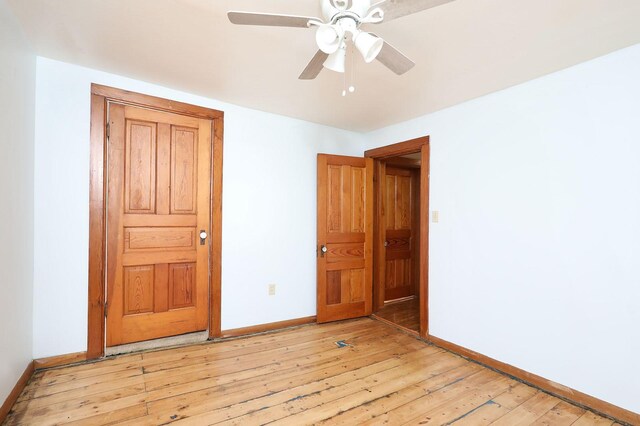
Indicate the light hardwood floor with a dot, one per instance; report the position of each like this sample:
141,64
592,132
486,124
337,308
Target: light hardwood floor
294,377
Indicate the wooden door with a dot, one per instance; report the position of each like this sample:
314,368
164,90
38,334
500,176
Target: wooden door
400,203
158,204
345,237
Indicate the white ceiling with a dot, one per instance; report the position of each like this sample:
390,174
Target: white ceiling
463,50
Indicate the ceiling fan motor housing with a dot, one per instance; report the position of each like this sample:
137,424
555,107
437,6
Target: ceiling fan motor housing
332,8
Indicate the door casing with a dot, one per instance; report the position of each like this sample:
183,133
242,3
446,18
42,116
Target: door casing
100,97
412,146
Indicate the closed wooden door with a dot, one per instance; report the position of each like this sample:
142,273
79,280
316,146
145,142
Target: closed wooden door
345,237
158,216
400,203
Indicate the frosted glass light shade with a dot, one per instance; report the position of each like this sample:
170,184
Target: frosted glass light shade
336,61
328,38
368,45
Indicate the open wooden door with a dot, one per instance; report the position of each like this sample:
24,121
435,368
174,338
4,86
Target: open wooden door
345,237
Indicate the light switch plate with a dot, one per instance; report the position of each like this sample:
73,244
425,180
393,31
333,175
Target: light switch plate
435,216
272,289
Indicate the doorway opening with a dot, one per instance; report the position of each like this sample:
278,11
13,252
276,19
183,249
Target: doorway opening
401,234
354,242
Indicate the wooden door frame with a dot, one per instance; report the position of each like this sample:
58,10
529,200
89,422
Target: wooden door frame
412,146
101,96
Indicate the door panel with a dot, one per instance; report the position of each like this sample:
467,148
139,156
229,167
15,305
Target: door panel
138,289
140,159
399,210
345,231
184,143
158,202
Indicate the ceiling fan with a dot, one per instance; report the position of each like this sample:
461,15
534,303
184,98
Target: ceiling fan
342,22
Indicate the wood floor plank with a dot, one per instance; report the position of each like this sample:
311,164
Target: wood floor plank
227,396
253,344
496,407
54,378
43,406
47,417
212,398
447,404
592,419
64,374
190,372
293,377
563,414
469,401
327,398
214,377
93,367
156,361
417,407
386,403
180,357
85,385
366,392
87,391
112,417
529,411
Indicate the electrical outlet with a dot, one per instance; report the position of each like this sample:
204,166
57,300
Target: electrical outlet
435,216
272,289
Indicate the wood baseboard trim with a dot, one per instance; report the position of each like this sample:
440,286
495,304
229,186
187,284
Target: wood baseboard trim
272,326
60,360
16,391
400,300
571,395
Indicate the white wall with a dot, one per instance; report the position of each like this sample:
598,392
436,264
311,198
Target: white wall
17,99
269,206
535,261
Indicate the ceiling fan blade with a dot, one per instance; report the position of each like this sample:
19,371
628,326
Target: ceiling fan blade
393,59
270,20
394,9
315,66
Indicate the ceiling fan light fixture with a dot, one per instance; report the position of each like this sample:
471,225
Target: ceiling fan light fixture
337,60
340,24
368,45
329,38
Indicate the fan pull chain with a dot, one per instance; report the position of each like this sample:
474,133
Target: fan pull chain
344,75
344,84
348,85
352,86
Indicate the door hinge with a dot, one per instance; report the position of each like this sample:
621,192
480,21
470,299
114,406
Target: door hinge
106,309
108,130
